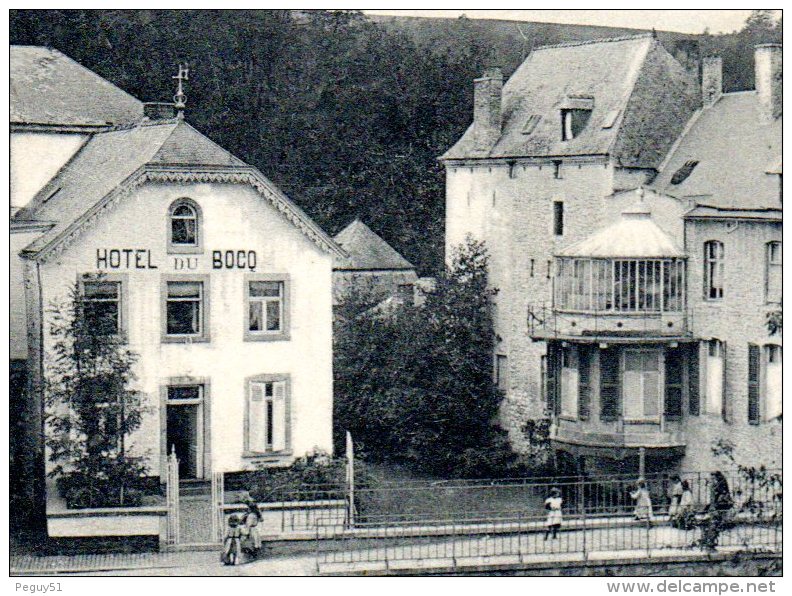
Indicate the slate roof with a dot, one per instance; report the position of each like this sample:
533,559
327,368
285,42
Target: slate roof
734,149
49,88
109,159
634,235
366,250
611,73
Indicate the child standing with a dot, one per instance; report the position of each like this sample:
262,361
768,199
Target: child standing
553,505
232,543
643,502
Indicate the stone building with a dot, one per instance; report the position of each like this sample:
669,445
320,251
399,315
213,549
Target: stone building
371,267
220,284
578,174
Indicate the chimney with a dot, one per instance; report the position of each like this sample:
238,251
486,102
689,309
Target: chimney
711,80
769,79
158,110
487,93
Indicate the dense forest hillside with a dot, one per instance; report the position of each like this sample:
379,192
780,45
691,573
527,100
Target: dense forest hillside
346,113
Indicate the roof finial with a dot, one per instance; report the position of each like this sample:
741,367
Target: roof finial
180,99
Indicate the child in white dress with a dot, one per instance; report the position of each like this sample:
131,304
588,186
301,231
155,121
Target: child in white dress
553,505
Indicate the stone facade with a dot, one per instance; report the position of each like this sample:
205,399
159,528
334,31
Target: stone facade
528,207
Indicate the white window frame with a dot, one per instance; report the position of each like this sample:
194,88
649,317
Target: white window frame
770,387
773,268
642,399
186,248
714,265
570,380
715,392
285,299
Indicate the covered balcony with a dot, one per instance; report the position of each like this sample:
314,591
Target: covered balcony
625,280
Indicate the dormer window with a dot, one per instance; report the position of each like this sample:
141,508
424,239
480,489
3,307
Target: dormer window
573,122
184,226
575,114
682,173
530,124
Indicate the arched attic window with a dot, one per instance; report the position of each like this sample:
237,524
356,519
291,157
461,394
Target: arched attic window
184,226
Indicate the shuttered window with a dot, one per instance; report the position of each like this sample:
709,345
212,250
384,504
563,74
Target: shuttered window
584,382
610,406
267,417
774,402
674,364
754,414
715,370
569,382
641,384
694,378
552,373
773,272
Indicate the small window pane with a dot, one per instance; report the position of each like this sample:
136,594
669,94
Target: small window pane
183,318
184,210
184,392
255,317
273,315
183,231
184,289
96,289
265,288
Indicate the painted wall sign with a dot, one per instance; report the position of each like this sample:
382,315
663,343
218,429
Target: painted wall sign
234,259
124,258
182,263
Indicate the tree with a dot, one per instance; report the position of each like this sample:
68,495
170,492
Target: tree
415,385
775,322
90,410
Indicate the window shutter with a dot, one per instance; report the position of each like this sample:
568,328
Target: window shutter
754,411
279,416
257,419
584,382
553,366
694,380
610,403
673,382
726,401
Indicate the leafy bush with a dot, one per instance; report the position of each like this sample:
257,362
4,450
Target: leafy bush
415,385
314,476
90,410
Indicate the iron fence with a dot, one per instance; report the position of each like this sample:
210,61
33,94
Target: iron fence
445,523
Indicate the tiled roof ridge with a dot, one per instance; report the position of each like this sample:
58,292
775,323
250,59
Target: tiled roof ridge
139,124
569,44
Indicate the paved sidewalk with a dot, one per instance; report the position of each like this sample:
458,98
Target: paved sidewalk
181,563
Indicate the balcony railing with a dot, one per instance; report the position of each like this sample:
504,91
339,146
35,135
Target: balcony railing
618,433
546,322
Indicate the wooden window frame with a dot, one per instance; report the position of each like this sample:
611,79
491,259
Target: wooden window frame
123,296
710,262
770,264
268,378
202,337
185,249
284,333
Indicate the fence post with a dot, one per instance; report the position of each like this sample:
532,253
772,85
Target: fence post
583,513
218,501
172,496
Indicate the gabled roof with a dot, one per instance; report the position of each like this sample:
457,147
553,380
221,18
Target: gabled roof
634,235
116,160
366,250
49,88
734,149
609,76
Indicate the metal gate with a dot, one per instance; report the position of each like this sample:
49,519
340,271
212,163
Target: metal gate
218,513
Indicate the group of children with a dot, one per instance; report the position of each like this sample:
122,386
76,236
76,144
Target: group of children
242,533
681,512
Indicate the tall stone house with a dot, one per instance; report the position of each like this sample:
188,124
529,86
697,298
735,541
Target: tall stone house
633,218
213,277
